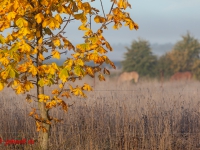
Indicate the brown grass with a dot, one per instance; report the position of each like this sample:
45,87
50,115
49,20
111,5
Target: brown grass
114,117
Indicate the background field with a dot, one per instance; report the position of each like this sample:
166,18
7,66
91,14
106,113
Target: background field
115,116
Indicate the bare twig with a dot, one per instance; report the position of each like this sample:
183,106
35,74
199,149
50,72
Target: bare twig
64,26
102,9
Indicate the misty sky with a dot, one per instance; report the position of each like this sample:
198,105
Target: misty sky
160,21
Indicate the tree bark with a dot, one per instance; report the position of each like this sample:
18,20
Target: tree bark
43,136
43,112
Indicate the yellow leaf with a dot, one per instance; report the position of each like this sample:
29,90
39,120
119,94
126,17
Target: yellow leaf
101,77
63,75
120,3
93,39
78,70
71,88
19,89
110,17
77,91
87,87
60,86
58,18
40,41
125,4
93,46
39,17
4,74
28,85
25,31
11,15
136,26
1,86
22,68
21,22
99,60
45,23
55,91
83,47
68,64
55,54
41,57
81,17
89,32
90,71
15,83
64,106
116,11
66,94
25,47
4,61
61,9
87,7
99,19
53,23
132,25
51,104
76,55
34,51
31,113
2,40
83,27
45,2
101,50
33,70
79,62
43,98
108,46
105,71
78,16
115,26
56,42
93,56
38,126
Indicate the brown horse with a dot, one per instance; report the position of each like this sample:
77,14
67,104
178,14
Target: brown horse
128,76
181,76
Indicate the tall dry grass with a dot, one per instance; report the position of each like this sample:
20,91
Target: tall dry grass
115,116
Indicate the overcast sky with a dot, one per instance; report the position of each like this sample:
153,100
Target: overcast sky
160,21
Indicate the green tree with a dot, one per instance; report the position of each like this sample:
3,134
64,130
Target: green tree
185,56
37,27
164,66
140,58
185,53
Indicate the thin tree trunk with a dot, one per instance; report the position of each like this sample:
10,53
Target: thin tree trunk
43,136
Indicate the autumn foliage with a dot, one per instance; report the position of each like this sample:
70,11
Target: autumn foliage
36,28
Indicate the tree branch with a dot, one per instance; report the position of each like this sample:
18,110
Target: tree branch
64,26
48,57
102,8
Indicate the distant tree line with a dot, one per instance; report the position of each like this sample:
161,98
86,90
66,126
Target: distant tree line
184,56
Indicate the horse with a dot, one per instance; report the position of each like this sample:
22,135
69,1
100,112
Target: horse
181,76
128,76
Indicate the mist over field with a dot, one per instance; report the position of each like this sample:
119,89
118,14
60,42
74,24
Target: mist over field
113,117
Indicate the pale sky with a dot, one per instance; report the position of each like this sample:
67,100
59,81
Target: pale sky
160,21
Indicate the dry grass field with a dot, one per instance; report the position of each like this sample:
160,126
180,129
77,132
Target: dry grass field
128,116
